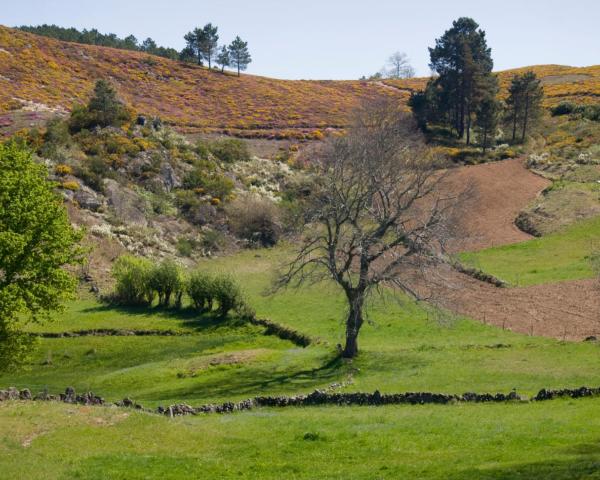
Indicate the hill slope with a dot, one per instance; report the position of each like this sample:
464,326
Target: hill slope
58,74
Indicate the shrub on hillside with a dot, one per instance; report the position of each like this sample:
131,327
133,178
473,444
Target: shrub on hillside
563,108
166,279
103,110
255,219
132,276
230,150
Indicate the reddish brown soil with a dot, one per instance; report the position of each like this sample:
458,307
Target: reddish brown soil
498,192
565,310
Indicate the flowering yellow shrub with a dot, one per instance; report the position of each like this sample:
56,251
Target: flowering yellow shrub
70,185
62,169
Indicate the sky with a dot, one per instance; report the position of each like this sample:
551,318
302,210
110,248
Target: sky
338,39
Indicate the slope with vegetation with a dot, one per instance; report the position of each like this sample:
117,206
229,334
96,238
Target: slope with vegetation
60,74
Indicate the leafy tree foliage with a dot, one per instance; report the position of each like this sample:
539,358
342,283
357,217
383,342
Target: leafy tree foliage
524,103
203,43
36,242
463,63
240,55
103,110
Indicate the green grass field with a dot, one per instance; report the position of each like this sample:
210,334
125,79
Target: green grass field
403,348
553,258
553,440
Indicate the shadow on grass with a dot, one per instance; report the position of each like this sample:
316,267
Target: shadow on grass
244,383
188,317
585,463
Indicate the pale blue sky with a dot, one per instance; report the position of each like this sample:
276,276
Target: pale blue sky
339,39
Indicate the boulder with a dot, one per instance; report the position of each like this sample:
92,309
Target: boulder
128,206
88,199
169,178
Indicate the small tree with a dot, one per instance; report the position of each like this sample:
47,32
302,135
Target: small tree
132,281
166,279
399,66
149,46
239,54
103,110
223,58
36,242
200,290
525,95
377,216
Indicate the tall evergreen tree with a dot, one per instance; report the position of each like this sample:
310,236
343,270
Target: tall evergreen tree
149,46
223,58
487,119
524,103
463,63
208,43
193,40
240,56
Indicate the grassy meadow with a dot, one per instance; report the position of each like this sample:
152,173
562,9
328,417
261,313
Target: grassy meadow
555,440
563,255
404,347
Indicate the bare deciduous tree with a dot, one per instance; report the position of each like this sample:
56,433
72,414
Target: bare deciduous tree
399,66
378,216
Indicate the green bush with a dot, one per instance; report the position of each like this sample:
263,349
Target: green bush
592,112
230,150
166,279
563,108
185,246
200,290
132,277
256,220
227,293
104,109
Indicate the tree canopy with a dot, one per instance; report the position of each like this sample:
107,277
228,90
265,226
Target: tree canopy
524,102
36,242
239,54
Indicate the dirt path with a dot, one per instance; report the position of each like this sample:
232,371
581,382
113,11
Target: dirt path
499,191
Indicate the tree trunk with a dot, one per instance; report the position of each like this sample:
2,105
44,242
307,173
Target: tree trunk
514,132
353,323
484,140
525,115
468,125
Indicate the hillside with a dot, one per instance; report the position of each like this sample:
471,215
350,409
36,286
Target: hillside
58,74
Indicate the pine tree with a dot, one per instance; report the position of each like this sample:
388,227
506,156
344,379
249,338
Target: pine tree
223,58
193,40
240,56
524,103
487,119
149,46
463,62
208,42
